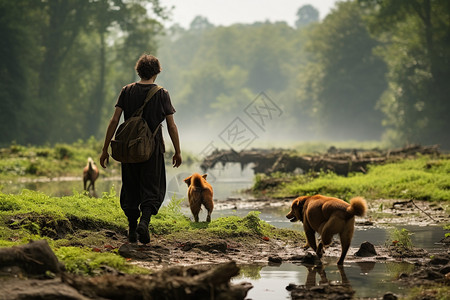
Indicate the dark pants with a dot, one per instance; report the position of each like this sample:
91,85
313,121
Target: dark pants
143,187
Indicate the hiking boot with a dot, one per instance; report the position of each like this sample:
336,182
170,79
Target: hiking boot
132,236
143,233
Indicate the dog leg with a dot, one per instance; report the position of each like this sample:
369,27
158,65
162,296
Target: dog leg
195,207
346,239
326,235
344,278
209,209
310,237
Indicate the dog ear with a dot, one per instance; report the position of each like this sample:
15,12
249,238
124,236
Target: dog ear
204,176
188,180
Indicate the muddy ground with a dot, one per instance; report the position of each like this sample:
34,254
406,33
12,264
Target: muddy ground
186,262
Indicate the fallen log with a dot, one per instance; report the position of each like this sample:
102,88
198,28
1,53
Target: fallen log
339,162
37,258
34,258
173,283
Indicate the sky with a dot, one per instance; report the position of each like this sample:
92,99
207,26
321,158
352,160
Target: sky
227,12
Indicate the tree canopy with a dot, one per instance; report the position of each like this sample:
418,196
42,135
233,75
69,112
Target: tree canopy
370,70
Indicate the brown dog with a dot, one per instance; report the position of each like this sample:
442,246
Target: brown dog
199,192
327,216
90,173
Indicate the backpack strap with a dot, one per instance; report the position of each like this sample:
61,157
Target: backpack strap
150,94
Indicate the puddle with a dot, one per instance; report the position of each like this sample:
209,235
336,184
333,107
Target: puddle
366,279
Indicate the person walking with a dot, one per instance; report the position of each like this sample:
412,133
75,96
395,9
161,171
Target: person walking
144,184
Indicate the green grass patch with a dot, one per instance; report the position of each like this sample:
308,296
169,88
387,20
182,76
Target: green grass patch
424,178
49,161
84,261
77,225
18,161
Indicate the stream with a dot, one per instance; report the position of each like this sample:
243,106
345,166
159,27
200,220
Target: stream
368,280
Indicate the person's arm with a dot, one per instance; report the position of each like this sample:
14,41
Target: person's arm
173,133
109,135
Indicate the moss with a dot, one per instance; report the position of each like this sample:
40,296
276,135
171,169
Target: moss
85,261
76,225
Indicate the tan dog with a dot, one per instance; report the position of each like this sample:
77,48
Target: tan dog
327,216
90,173
199,192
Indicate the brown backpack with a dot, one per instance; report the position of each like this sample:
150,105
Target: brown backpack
134,142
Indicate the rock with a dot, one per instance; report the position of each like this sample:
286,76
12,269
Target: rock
446,240
275,259
439,260
390,296
445,269
366,250
427,274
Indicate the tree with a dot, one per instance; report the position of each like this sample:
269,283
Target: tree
200,23
58,58
17,66
306,15
344,80
416,47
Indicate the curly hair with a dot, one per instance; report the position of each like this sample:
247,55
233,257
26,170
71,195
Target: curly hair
147,66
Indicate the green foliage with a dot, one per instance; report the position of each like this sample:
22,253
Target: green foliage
416,48
83,261
171,221
343,80
400,239
424,178
60,160
33,215
60,59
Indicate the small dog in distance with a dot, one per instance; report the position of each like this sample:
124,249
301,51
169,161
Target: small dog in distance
90,173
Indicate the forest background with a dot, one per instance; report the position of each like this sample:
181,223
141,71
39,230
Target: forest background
371,70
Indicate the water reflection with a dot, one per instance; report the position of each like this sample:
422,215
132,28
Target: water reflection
364,279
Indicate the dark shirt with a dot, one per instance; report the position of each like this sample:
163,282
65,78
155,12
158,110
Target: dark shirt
133,96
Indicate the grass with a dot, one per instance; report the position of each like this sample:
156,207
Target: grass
424,178
49,161
400,239
58,160
75,227
83,261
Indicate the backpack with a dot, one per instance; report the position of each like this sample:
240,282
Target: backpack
134,142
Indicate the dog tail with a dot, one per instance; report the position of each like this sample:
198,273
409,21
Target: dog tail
358,207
